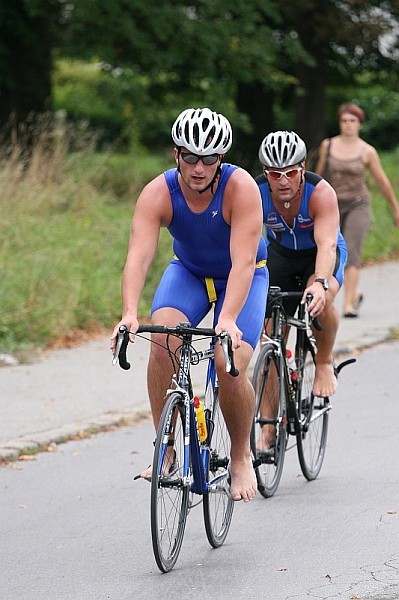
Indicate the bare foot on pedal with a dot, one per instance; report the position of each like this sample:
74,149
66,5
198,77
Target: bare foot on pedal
325,381
146,474
243,484
169,466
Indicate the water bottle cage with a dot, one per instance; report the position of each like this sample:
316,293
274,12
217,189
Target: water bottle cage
209,425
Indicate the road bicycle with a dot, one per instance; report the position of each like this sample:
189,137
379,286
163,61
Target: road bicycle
284,401
188,460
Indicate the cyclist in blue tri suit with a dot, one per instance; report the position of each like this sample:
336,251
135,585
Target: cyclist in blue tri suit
301,219
213,211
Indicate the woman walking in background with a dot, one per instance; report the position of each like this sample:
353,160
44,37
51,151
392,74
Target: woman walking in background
343,161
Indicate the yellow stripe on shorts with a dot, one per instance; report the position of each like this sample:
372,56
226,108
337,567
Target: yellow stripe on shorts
210,284
210,288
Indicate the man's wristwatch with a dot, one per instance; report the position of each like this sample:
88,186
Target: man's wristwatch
324,282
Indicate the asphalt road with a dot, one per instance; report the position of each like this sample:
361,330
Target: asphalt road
75,526
68,392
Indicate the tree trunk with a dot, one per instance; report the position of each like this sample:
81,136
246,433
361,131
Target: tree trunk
26,42
257,103
309,109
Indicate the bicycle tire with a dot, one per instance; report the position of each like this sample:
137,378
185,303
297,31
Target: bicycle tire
267,367
169,490
313,413
218,504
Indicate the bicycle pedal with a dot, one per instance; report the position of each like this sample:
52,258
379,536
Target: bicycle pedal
266,457
169,482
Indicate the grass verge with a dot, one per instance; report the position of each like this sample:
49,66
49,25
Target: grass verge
64,227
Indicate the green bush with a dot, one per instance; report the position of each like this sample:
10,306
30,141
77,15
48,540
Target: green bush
379,100
382,241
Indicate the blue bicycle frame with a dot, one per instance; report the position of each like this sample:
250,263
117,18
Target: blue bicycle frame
193,448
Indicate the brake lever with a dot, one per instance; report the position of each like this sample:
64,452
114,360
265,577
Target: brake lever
313,320
121,348
225,341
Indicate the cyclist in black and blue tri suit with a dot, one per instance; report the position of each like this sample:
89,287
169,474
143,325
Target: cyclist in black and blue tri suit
213,211
301,220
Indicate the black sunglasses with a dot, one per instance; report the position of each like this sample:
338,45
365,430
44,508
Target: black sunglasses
192,159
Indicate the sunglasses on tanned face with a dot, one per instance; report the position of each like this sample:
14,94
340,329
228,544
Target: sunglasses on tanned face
277,175
192,159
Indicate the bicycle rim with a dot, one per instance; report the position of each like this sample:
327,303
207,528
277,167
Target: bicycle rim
313,415
218,504
169,492
270,412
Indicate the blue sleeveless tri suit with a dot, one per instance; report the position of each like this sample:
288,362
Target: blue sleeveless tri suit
292,250
197,275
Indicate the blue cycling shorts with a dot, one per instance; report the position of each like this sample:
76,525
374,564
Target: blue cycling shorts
288,268
194,297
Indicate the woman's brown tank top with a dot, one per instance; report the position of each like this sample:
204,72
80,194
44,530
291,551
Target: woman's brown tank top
347,177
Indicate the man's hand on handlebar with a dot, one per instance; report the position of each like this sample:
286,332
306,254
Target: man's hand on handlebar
131,323
229,325
225,341
318,302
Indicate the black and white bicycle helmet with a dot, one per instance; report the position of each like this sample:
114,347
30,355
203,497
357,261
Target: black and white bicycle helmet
282,149
202,131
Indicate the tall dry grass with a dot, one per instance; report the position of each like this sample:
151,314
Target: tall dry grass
63,237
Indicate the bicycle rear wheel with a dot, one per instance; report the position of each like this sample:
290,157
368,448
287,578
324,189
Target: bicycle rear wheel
270,412
218,504
313,415
169,490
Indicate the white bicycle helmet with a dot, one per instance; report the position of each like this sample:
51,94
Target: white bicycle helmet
202,131
282,149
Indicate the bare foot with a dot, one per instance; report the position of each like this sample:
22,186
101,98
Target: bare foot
325,382
146,474
168,466
243,480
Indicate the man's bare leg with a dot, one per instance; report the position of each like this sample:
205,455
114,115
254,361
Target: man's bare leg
237,401
325,382
270,401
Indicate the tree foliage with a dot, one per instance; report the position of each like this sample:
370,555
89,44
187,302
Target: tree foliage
343,39
204,53
265,64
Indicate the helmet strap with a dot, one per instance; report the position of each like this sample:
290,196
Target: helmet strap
214,180
178,159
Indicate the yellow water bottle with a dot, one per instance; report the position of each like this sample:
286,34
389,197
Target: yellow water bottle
201,421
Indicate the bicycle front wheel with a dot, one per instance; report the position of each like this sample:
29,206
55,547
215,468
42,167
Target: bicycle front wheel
169,490
218,504
269,429
313,413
